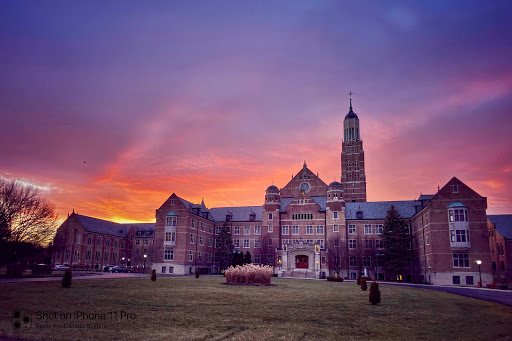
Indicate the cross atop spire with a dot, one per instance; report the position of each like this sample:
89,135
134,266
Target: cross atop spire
350,93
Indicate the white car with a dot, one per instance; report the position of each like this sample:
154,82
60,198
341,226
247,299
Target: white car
60,268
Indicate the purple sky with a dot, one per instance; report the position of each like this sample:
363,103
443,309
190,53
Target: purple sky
218,99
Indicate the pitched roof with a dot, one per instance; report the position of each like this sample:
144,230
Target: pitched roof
426,197
503,223
108,227
319,200
238,213
379,209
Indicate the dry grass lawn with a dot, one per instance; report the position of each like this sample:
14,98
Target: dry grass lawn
186,308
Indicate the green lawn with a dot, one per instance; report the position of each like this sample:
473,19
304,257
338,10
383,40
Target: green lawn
186,308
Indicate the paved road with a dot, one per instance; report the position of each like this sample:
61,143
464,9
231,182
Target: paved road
76,275
492,295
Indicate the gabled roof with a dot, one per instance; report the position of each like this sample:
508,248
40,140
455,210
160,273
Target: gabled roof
319,200
379,209
426,197
238,213
503,223
108,227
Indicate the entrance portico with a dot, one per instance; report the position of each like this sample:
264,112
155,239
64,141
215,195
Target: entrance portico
300,259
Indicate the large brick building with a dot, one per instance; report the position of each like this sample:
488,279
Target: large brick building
299,227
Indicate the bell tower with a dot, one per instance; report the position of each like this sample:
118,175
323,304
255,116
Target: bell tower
353,175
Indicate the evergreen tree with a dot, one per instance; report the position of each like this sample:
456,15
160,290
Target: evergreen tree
395,239
66,280
247,258
153,275
238,258
224,246
374,296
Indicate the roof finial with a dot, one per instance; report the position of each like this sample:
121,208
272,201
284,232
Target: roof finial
350,94
305,164
73,210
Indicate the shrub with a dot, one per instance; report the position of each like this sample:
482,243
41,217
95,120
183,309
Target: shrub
153,275
66,280
374,297
249,274
197,273
335,279
364,286
359,280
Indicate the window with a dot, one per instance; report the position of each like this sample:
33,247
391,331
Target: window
429,265
335,228
335,215
201,240
270,242
369,244
172,201
247,230
114,257
210,228
319,229
378,261
323,260
257,259
257,229
462,236
123,245
458,215
455,189
469,280
270,228
456,279
97,256
427,239
191,238
106,256
320,242
407,229
236,243
378,229
460,260
408,246
209,258
285,229
210,242
88,255
164,269
146,242
367,229
283,242
169,255
336,242
309,229
352,244
202,226
367,261
77,255
295,230
200,256
170,221
171,269
115,244
98,242
351,229
191,256
270,259
193,225
217,229
236,230
247,243
270,216
352,261
170,236
378,244
257,243
137,242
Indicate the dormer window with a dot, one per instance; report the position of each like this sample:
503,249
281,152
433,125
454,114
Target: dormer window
359,215
228,217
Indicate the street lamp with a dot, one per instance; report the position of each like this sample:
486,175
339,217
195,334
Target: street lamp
479,262
123,260
144,268
279,262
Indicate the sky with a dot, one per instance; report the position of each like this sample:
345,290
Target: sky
111,106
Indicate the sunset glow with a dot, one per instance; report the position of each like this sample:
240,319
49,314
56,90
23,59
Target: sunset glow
111,107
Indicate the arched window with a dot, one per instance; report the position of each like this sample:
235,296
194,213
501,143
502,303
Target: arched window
108,242
79,238
98,242
89,240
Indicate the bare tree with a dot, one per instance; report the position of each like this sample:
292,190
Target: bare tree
25,215
336,249
267,250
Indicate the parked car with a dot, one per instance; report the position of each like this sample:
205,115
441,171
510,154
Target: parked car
60,268
120,269
108,268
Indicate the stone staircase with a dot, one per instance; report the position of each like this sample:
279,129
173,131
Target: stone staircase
299,273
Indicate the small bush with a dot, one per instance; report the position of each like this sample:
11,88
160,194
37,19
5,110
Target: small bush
66,280
359,280
249,274
153,275
197,273
334,279
374,296
364,286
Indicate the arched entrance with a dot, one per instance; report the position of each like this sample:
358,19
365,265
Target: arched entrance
301,262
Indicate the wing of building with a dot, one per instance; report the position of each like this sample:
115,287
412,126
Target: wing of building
308,229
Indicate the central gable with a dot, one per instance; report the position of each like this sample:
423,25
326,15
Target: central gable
310,182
